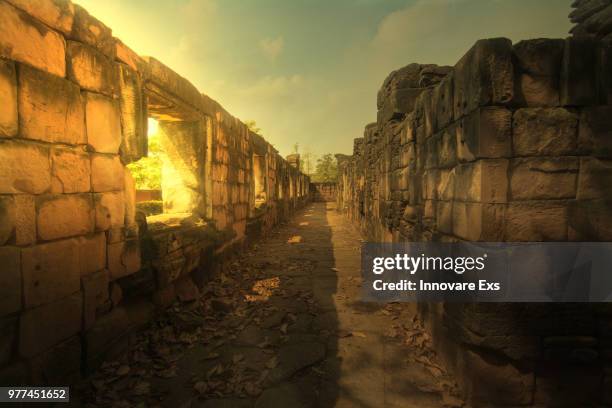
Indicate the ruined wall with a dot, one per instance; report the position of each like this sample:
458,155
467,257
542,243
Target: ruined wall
592,18
513,144
80,268
323,191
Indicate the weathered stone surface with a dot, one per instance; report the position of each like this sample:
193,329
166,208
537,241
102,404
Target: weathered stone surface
110,210
186,290
539,62
95,294
485,133
133,115
485,181
123,258
91,69
62,216
103,123
24,39
89,30
126,55
172,82
130,201
50,272
484,76
595,131
107,173
478,221
10,280
534,179
578,73
595,179
8,96
57,14
71,171
50,108
92,253
544,132
25,219
58,321
590,220
536,221
25,168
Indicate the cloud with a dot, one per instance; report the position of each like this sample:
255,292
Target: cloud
272,47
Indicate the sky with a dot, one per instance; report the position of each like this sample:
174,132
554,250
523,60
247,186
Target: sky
307,71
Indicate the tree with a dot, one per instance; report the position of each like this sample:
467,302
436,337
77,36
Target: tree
252,125
147,171
327,169
306,162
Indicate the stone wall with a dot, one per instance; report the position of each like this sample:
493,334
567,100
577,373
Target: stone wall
592,18
511,144
323,191
80,267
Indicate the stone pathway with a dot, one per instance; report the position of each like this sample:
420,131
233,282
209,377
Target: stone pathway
283,326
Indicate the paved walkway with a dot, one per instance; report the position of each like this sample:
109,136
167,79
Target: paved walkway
283,326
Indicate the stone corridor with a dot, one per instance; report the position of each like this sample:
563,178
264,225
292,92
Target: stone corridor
294,334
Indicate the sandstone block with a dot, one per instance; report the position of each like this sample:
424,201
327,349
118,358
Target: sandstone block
103,123
130,200
443,95
123,258
578,72
50,108
24,39
17,220
590,220
110,210
186,290
70,171
92,253
107,173
126,55
445,188
8,96
485,133
57,14
89,30
534,179
58,321
484,76
605,73
62,216
448,148
91,69
10,280
444,216
478,221
50,272
595,131
536,221
95,294
544,132
539,61
172,82
398,103
7,219
25,168
595,179
134,144
24,219
485,181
